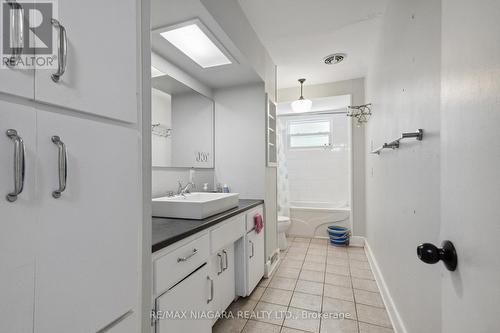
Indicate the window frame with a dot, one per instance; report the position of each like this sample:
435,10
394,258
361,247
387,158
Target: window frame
310,120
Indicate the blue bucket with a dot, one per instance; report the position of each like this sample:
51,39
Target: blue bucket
339,236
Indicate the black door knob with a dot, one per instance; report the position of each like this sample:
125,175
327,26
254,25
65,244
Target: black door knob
430,254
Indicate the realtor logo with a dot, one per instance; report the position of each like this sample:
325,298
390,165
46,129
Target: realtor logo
28,34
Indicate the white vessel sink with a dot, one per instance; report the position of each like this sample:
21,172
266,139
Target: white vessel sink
196,206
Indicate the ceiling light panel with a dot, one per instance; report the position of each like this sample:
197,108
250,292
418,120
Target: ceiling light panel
194,42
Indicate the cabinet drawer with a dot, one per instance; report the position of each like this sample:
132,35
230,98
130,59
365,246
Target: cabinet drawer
250,214
228,232
175,265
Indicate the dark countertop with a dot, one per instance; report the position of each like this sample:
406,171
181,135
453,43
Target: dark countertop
167,231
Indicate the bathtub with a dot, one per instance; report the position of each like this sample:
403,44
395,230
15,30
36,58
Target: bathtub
311,219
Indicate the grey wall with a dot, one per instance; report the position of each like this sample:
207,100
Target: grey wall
355,88
403,186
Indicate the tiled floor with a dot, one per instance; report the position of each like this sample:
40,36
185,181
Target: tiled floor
313,278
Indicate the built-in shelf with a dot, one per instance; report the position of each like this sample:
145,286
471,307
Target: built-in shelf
271,151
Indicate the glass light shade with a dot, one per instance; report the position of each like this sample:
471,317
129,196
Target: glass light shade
302,105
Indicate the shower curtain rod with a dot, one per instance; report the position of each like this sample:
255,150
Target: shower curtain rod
336,111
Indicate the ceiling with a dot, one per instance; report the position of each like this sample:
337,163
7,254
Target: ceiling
298,34
162,15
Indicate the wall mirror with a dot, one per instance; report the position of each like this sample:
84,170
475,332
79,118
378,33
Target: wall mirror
182,126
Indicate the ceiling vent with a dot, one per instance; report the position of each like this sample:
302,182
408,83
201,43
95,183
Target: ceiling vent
335,58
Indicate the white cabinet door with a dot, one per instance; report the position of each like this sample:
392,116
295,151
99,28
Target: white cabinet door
189,296
87,271
223,275
102,64
17,222
18,82
255,255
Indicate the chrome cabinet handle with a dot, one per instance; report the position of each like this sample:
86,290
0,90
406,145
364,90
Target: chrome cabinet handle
19,164
211,298
253,249
16,32
219,256
62,51
186,258
62,166
225,259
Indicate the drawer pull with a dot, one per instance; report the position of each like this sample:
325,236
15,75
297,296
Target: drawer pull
219,257
211,298
253,249
62,51
19,164
225,260
186,258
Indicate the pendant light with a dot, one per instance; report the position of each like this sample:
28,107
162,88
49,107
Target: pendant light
302,105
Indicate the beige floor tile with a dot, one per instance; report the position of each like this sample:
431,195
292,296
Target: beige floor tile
309,287
368,298
291,273
336,269
367,328
243,305
291,263
319,241
337,254
359,264
373,315
339,308
270,313
264,282
257,293
338,261
359,257
332,248
315,258
365,284
317,251
303,320
356,249
290,330
338,292
260,327
338,280
315,276
306,301
332,325
302,240
229,325
362,273
314,245
277,296
299,245
279,282
314,266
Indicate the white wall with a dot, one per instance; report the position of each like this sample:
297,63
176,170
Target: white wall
161,113
317,174
403,186
355,88
240,139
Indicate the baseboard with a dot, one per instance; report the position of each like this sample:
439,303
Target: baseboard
394,316
271,266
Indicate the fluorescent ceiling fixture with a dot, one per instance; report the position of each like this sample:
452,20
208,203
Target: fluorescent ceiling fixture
156,72
195,43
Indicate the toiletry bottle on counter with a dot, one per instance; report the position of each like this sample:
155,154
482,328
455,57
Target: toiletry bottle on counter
205,187
225,188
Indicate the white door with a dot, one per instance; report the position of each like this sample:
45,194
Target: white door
101,65
17,222
255,255
87,269
188,297
471,164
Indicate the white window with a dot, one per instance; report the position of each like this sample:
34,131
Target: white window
309,133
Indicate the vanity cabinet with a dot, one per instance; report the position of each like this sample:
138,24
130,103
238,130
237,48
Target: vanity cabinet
190,297
206,271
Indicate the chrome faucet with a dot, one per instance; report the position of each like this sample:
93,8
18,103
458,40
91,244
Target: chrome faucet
185,189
